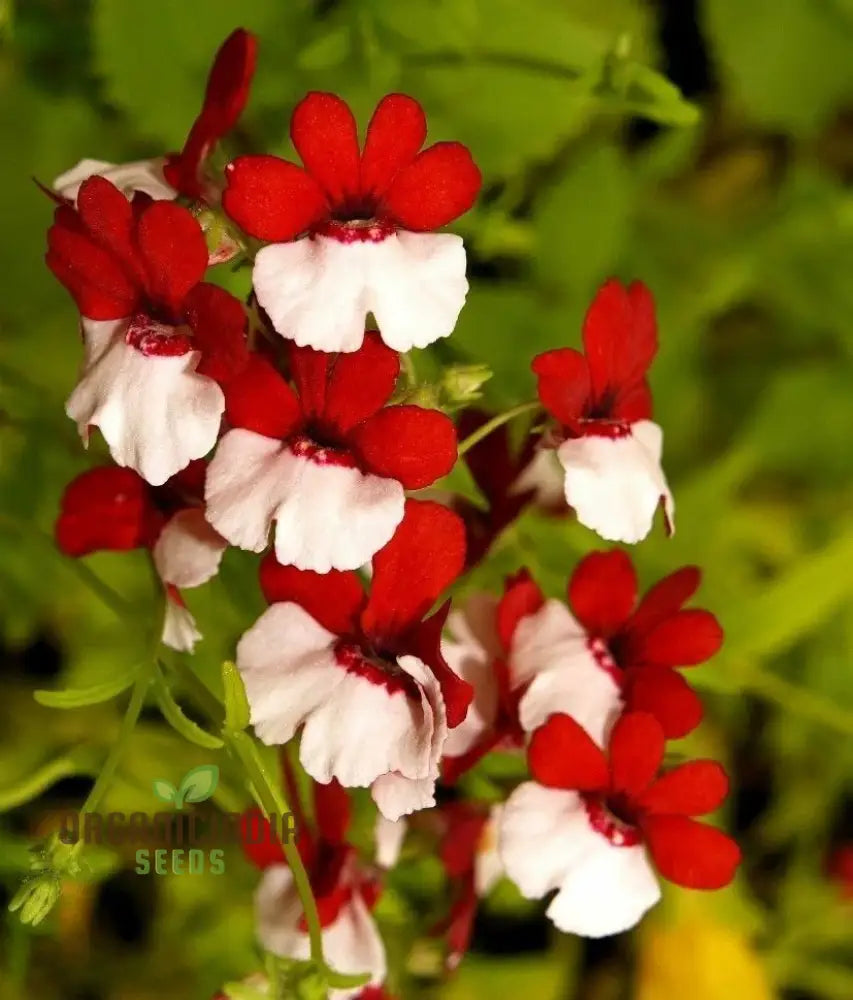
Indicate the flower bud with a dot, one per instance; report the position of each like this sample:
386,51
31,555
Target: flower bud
35,899
462,383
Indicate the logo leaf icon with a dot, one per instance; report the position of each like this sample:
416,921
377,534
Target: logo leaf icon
165,790
198,784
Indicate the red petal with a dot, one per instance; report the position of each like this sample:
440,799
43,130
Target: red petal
333,599
438,186
562,754
693,789
332,810
106,509
231,76
424,641
666,597
563,383
636,750
310,372
619,336
360,383
225,97
666,695
682,640
98,284
423,558
272,199
522,597
108,216
603,591
258,399
634,403
325,135
218,322
260,845
173,251
407,443
396,132
691,854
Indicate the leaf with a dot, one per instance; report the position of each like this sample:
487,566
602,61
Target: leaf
199,783
165,791
78,697
237,711
30,787
460,481
174,715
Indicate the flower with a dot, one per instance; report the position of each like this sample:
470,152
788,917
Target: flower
157,338
469,855
596,827
607,444
525,657
113,509
638,643
328,462
344,889
362,676
182,173
365,218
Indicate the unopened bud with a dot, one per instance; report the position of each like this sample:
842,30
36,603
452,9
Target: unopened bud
35,899
462,383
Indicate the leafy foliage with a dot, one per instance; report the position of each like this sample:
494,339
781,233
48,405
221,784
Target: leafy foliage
595,164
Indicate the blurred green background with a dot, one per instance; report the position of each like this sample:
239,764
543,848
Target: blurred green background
732,202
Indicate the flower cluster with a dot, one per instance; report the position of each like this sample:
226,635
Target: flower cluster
279,426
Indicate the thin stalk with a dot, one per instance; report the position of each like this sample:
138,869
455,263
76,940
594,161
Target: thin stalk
492,425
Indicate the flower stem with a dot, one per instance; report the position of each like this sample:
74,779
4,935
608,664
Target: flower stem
128,724
491,425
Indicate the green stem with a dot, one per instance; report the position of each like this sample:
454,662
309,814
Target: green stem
491,425
128,724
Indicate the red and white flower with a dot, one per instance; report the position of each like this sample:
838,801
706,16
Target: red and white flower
166,177
512,651
598,827
115,510
351,232
157,338
362,676
328,463
344,889
607,443
639,643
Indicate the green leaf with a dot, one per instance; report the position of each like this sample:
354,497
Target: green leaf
78,697
165,791
237,712
174,715
36,782
199,783
460,481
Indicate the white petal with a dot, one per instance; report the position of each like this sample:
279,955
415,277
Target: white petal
188,551
353,729
318,291
351,943
615,485
155,412
533,837
179,628
544,640
389,836
488,867
547,842
470,652
396,795
607,888
328,516
417,287
140,175
579,688
288,667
